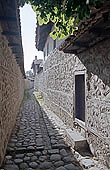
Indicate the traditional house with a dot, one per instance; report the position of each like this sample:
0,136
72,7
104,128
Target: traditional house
75,82
11,70
37,65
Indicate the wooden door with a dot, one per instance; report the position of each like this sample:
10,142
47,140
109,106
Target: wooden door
80,97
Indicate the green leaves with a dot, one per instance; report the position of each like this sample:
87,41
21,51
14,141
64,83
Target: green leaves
64,17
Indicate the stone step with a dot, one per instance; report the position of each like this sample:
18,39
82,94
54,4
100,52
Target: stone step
75,139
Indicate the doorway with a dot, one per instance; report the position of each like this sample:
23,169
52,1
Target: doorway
80,97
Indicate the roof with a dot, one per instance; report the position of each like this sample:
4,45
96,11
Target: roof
11,26
91,31
37,62
42,33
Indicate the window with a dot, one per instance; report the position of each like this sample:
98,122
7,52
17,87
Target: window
47,48
80,97
44,55
54,44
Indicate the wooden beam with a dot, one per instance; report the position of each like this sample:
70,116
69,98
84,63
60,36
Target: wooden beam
8,19
81,44
8,33
70,51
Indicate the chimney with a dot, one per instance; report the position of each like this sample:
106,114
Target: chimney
36,57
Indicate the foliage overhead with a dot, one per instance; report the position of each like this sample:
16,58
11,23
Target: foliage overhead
64,14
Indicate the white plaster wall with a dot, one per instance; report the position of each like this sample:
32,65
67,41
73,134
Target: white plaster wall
51,45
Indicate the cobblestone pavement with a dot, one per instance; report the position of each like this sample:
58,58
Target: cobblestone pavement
36,143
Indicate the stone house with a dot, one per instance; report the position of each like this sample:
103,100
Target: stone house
11,70
37,65
75,82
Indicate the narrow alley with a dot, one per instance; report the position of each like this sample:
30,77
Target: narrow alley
36,143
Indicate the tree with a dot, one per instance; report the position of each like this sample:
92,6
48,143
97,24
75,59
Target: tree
64,14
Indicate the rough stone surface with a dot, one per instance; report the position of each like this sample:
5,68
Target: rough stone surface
11,92
45,165
18,161
67,159
52,151
57,85
20,156
33,123
33,164
63,152
55,157
70,167
23,166
61,168
59,163
11,167
34,158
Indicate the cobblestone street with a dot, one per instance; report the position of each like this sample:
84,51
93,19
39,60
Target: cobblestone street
36,143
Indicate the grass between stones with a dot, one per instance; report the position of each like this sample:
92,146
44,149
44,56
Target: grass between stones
39,97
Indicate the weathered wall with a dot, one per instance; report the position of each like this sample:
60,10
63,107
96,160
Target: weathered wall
56,83
97,63
29,84
11,93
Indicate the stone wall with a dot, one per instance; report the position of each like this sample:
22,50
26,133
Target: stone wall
57,85
11,92
97,63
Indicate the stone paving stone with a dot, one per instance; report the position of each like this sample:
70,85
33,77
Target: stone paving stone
46,165
34,158
61,168
8,161
45,152
27,158
29,154
30,148
33,164
23,166
59,146
59,163
11,167
19,156
70,167
67,159
8,157
42,158
52,151
38,153
63,152
18,161
55,157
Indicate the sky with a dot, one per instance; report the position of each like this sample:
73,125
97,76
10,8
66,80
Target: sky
28,27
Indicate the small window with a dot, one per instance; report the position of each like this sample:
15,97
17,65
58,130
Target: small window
54,44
